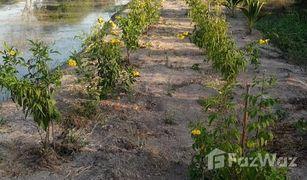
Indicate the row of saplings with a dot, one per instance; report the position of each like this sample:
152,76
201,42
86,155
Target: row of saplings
101,65
107,73
244,132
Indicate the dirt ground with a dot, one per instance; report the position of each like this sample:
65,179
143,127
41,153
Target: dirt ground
145,134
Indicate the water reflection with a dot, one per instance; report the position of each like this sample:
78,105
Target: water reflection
51,20
64,10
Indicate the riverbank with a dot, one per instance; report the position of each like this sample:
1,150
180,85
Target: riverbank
20,22
145,134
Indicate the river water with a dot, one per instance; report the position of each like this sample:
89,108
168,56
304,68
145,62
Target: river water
56,22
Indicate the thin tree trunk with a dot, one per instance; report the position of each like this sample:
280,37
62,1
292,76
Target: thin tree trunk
47,137
245,121
128,57
52,124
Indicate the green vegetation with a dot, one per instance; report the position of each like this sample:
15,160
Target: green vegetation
301,125
65,10
101,63
223,130
141,15
3,2
2,121
287,31
211,33
169,119
258,118
243,131
232,5
34,91
252,10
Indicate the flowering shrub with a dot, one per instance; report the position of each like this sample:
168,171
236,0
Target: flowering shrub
101,62
34,91
258,118
222,130
141,15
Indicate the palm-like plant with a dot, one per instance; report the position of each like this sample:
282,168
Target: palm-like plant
252,10
232,5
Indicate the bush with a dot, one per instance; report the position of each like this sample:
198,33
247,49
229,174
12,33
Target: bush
34,91
101,62
141,15
222,132
211,33
252,11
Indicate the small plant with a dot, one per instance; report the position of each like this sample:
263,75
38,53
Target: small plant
142,14
89,108
170,88
301,125
260,108
281,114
101,63
76,138
223,133
196,67
252,11
2,121
211,34
169,119
254,54
73,140
131,34
34,91
232,5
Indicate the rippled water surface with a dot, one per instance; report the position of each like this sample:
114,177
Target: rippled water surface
53,21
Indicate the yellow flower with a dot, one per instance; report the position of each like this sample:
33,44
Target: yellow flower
118,17
264,41
135,73
180,36
113,25
72,63
12,52
196,132
100,20
185,33
115,41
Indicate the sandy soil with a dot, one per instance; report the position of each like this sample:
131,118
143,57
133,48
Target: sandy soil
129,138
